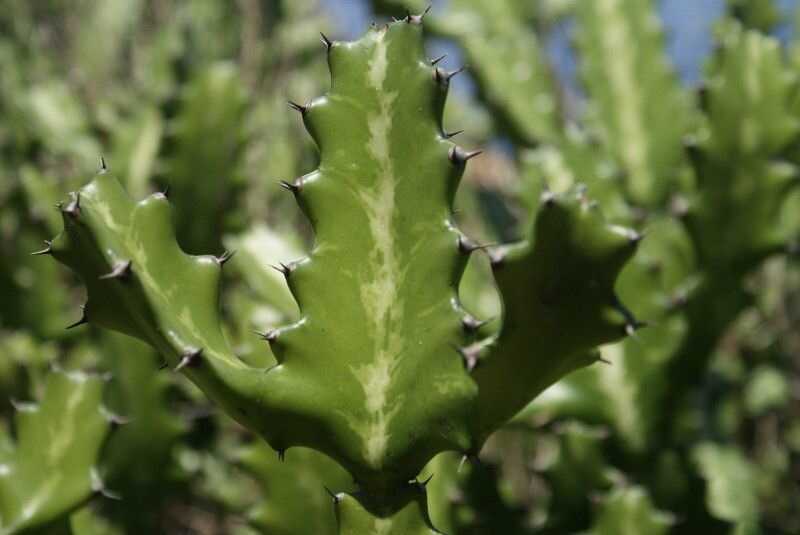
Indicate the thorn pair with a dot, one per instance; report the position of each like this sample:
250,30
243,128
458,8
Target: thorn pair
298,107
294,187
467,246
269,336
459,156
286,269
190,359
121,271
224,257
335,497
416,19
443,77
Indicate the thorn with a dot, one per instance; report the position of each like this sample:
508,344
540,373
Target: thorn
467,246
604,360
497,259
425,482
282,455
99,488
436,61
635,237
84,319
73,209
114,419
286,269
471,457
290,186
47,250
190,358
270,335
416,19
224,257
299,107
122,270
449,135
325,41
472,324
470,355
459,156
333,495
103,166
444,77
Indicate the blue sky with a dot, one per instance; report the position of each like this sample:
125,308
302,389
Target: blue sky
687,23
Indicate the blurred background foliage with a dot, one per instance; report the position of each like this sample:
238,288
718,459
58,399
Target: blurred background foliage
682,118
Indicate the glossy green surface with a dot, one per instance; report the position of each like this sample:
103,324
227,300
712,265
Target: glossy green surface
50,471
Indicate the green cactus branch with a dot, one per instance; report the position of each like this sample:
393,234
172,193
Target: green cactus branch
378,372
559,305
51,471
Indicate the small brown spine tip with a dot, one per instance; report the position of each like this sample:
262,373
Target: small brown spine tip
294,187
298,107
459,156
190,358
84,319
450,135
436,61
224,257
325,41
333,495
48,249
121,271
604,360
103,166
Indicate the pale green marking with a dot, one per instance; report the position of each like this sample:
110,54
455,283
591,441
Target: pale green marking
380,293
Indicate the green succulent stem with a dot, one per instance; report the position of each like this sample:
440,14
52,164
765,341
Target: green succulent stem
378,372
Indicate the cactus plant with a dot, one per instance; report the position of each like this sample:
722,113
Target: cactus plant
379,373
51,471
